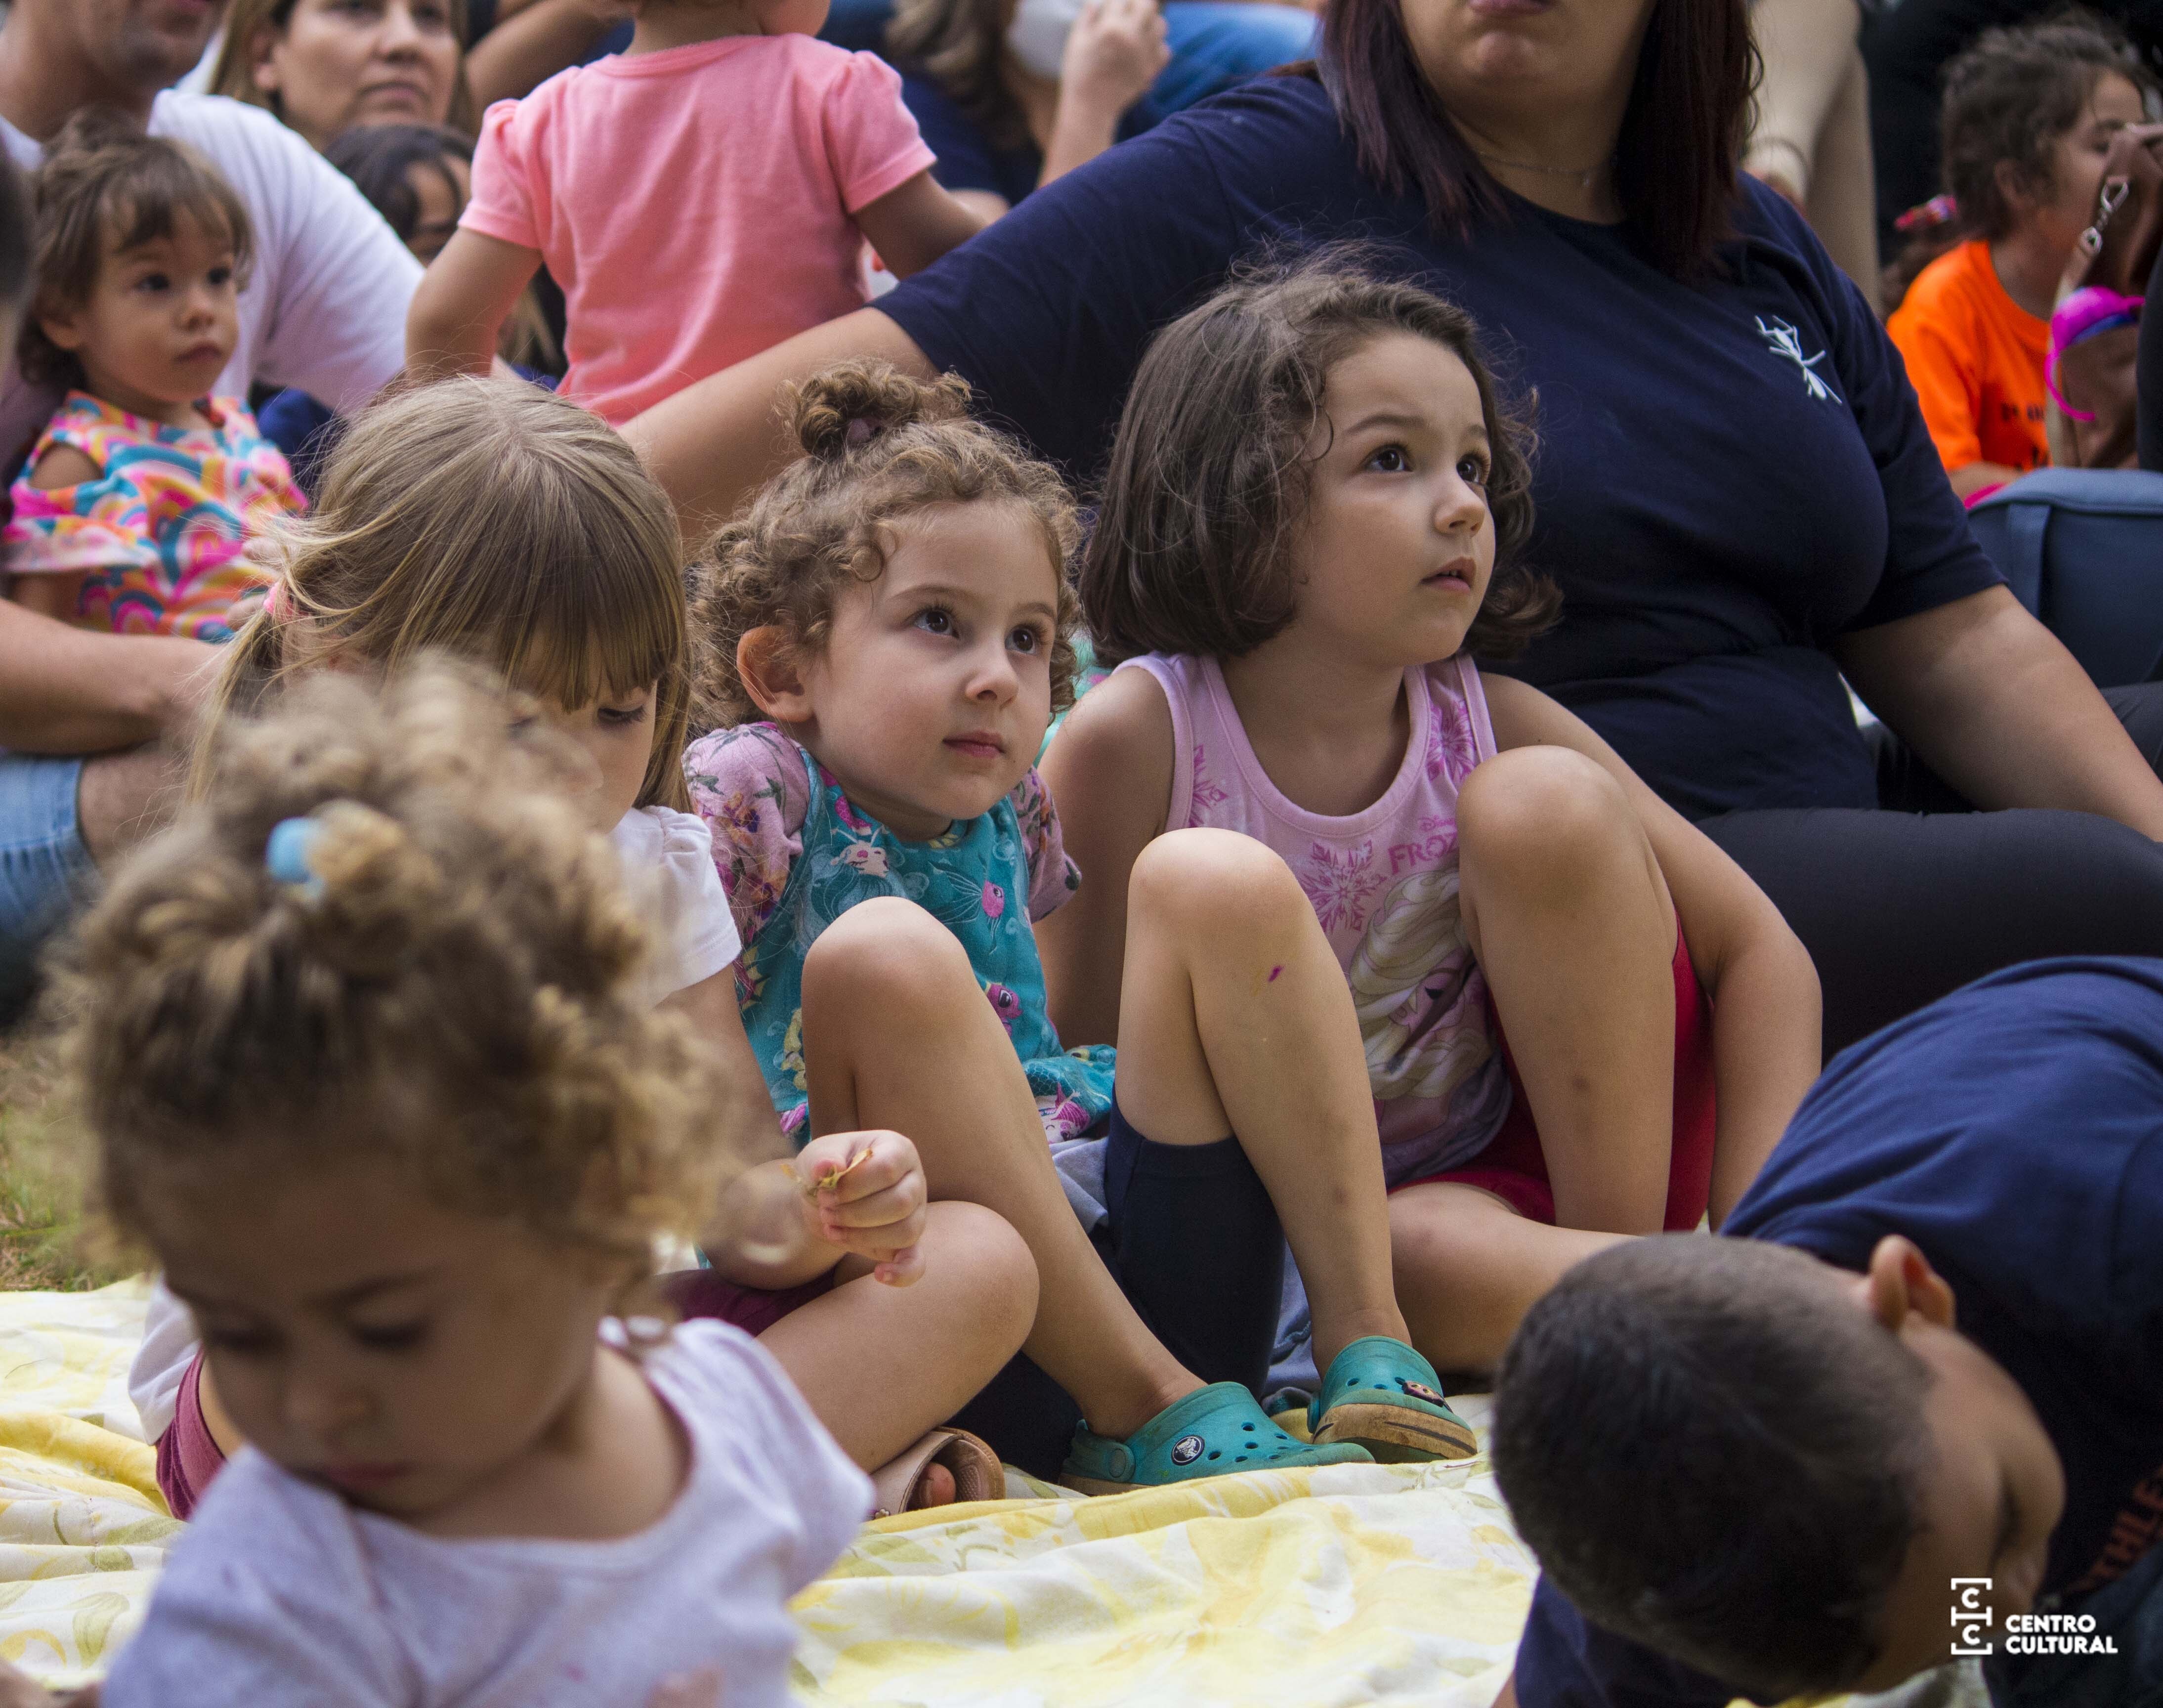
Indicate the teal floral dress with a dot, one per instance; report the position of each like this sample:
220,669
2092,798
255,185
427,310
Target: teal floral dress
794,856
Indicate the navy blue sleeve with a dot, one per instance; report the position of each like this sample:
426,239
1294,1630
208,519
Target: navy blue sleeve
1565,1661
1047,313
966,160
1931,559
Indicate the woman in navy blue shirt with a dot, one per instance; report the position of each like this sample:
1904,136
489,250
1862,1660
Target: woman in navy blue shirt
1736,490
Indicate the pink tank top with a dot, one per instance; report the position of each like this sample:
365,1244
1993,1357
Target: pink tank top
1384,884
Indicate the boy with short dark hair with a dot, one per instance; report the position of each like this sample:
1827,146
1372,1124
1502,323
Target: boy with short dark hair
1759,1464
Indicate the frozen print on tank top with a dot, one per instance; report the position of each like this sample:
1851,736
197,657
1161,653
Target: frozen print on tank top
1384,885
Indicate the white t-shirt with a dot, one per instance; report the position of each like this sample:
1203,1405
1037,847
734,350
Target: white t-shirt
324,308
668,860
280,1592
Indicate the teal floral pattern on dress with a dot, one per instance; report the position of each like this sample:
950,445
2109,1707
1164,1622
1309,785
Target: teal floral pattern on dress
794,854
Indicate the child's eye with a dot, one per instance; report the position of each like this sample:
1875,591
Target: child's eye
239,1342
1391,459
1472,470
937,621
221,275
1027,639
625,716
390,1337
154,281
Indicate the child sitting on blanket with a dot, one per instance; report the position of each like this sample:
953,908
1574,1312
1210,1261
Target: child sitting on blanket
1315,520
366,1047
892,623
490,520
140,495
700,196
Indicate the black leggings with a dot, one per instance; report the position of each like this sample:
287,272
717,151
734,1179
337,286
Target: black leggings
1899,907
1193,1241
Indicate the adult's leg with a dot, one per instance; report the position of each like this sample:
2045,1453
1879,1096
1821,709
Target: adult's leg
1843,201
1899,908
46,869
898,1036
1812,134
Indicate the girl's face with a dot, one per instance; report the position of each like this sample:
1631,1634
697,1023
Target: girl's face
160,323
2066,208
1396,547
616,733
932,695
339,63
370,1340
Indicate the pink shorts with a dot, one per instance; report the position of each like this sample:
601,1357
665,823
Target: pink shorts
1515,1169
188,1457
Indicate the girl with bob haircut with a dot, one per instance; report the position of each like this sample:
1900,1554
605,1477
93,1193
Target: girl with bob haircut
1314,523
892,631
368,1057
491,521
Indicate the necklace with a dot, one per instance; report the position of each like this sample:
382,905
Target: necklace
1584,178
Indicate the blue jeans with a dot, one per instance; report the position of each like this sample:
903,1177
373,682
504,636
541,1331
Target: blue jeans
1214,43
46,873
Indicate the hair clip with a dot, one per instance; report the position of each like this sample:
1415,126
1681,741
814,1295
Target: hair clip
286,854
1939,210
860,432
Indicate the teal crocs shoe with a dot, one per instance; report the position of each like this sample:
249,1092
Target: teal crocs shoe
1213,1431
1382,1395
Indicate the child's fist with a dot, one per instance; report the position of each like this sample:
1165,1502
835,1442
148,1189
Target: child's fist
867,1195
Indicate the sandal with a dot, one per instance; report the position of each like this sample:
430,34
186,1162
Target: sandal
975,1469
1384,1397
1213,1431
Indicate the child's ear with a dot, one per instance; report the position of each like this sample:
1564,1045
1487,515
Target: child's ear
767,663
1901,1281
62,330
2014,186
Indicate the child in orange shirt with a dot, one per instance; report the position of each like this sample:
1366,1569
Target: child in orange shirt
2029,117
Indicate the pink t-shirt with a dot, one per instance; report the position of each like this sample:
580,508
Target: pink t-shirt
694,205
1384,885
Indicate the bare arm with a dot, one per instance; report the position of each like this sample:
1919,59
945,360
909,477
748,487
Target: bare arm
1109,772
531,45
1998,708
1767,1026
69,690
464,299
912,227
1113,54
712,444
1979,476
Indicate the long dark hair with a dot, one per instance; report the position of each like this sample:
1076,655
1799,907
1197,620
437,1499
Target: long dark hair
957,42
1675,166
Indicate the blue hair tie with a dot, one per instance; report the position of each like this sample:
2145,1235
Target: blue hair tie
286,854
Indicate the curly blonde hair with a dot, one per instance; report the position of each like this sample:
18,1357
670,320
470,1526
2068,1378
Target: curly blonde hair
877,447
490,519
457,988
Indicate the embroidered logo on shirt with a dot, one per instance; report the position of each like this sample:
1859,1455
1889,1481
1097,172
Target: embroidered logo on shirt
1787,341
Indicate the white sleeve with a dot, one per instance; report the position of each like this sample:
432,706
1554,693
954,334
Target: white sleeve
698,933
170,1345
266,1600
325,309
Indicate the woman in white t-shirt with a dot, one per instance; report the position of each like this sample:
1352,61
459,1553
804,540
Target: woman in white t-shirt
492,521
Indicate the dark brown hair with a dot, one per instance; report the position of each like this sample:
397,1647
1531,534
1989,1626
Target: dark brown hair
1675,166
108,185
2009,98
1210,473
878,446
1662,1376
958,43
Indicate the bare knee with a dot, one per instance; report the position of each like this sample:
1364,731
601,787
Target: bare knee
1212,878
1534,815
891,951
980,1251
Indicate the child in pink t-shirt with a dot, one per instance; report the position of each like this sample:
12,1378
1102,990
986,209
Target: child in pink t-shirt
700,198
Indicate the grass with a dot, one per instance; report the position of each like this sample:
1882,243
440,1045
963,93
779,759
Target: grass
41,1233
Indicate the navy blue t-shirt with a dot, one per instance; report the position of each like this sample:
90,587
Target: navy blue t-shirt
1731,476
2015,1132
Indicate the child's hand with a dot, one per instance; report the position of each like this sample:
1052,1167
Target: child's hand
867,1195
1114,52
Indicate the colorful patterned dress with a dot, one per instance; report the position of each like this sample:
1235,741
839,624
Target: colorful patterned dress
794,856
159,529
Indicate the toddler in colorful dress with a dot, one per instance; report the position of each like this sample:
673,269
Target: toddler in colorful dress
134,511
891,629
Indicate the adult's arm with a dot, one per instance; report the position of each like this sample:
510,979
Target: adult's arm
1996,706
712,444
69,690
